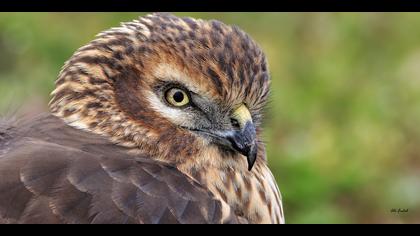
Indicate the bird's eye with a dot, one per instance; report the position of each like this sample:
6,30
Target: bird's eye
177,97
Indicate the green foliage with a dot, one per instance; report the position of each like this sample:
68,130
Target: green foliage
343,125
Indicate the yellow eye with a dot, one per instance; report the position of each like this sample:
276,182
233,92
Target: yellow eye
177,97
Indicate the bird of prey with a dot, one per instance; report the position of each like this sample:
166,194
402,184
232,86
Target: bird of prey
155,121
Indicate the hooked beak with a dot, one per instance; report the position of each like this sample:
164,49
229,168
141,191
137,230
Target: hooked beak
243,140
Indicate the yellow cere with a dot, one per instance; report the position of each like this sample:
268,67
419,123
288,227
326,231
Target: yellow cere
242,115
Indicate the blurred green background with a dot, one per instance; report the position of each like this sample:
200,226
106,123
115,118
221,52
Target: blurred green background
343,125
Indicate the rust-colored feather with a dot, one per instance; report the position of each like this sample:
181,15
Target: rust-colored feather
111,152
63,180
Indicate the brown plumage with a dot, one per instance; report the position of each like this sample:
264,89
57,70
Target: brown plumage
150,124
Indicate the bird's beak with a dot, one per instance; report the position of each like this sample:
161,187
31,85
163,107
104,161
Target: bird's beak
244,139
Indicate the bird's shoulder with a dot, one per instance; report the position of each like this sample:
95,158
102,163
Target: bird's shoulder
52,173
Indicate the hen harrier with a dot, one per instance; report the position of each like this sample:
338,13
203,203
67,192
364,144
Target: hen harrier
155,121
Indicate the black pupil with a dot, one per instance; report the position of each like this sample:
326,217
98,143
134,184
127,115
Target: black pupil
178,96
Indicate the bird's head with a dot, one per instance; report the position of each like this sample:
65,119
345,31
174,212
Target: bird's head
175,87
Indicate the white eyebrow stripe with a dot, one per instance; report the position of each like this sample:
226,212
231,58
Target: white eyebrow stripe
171,73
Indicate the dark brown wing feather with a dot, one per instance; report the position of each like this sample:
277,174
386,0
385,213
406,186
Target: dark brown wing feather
52,173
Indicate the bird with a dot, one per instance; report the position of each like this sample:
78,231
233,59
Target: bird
156,121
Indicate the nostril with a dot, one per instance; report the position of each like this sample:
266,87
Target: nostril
235,123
